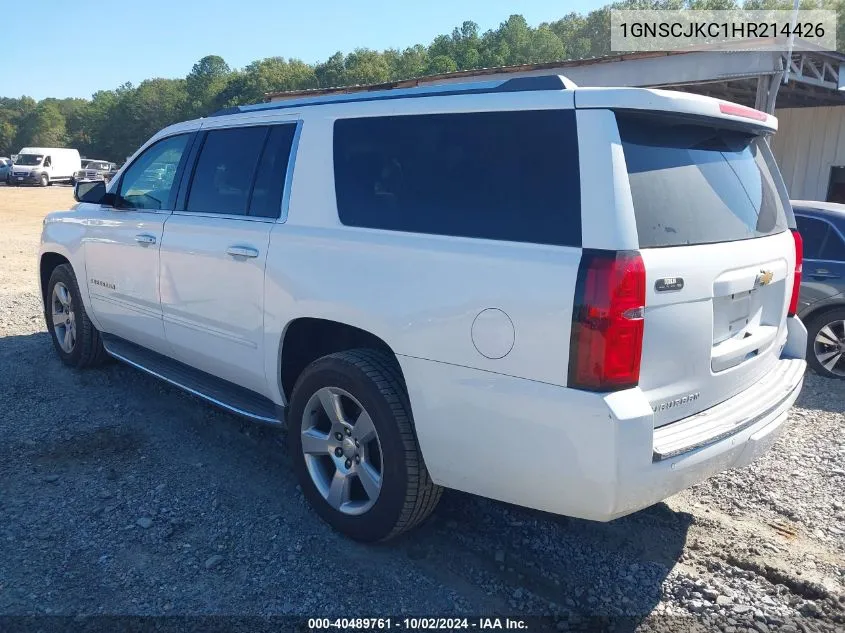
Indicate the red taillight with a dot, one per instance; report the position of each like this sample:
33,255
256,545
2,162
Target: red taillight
799,265
738,110
607,322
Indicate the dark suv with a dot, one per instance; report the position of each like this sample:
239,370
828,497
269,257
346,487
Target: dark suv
822,300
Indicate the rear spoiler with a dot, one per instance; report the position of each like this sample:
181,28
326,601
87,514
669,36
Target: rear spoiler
672,102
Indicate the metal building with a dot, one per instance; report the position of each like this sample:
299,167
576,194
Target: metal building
806,92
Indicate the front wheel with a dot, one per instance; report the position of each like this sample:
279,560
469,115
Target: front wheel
75,338
826,343
45,180
352,441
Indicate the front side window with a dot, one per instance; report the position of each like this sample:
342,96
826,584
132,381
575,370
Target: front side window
225,170
509,176
149,183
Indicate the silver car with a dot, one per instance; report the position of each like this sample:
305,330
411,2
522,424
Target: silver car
94,170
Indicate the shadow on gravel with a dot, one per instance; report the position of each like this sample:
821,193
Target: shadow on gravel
118,488
544,563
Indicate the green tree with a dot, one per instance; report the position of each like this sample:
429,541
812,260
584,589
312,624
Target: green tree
331,72
267,75
412,62
43,127
365,66
206,81
441,64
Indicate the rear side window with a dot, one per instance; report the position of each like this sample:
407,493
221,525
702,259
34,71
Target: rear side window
225,170
266,200
495,175
696,184
834,247
813,233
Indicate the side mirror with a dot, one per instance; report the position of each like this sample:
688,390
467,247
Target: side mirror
93,191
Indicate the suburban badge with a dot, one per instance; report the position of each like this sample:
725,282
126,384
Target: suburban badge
104,284
676,402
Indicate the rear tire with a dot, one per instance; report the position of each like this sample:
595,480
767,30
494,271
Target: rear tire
78,343
359,383
826,343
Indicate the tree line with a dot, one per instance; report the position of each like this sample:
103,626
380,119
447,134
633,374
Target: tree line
113,123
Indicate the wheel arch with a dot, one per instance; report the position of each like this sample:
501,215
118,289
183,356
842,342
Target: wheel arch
49,261
820,307
305,339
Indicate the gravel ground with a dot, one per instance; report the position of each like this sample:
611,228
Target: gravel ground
121,495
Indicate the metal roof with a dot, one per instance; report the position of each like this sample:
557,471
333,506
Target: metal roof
727,72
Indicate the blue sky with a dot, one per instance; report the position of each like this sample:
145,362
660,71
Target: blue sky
73,49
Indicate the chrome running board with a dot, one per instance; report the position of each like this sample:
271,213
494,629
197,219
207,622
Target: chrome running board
224,394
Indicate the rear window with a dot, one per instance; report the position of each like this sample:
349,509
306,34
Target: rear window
696,184
495,175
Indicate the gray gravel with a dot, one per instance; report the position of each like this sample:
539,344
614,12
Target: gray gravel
121,495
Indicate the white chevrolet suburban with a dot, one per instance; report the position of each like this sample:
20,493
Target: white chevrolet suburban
579,300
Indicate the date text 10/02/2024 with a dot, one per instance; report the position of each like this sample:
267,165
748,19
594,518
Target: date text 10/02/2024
416,624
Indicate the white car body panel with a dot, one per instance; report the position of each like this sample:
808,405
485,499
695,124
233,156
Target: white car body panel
212,302
666,101
489,395
123,273
675,364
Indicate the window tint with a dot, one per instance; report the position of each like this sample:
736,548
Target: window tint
696,184
812,233
266,201
149,181
834,247
495,175
225,170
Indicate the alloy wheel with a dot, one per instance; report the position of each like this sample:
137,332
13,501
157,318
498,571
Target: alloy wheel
342,451
829,347
64,320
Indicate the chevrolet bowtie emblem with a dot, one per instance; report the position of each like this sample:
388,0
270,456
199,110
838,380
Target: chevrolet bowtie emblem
764,278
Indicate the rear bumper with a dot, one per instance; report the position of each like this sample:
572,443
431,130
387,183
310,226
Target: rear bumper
587,455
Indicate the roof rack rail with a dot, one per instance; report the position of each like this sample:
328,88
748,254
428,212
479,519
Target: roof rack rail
516,84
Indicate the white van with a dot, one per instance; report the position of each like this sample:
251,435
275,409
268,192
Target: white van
580,300
44,166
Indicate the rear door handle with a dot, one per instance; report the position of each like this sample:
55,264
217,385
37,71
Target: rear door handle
242,251
823,273
145,238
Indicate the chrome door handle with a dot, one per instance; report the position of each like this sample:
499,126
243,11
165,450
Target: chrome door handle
823,273
144,238
242,251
